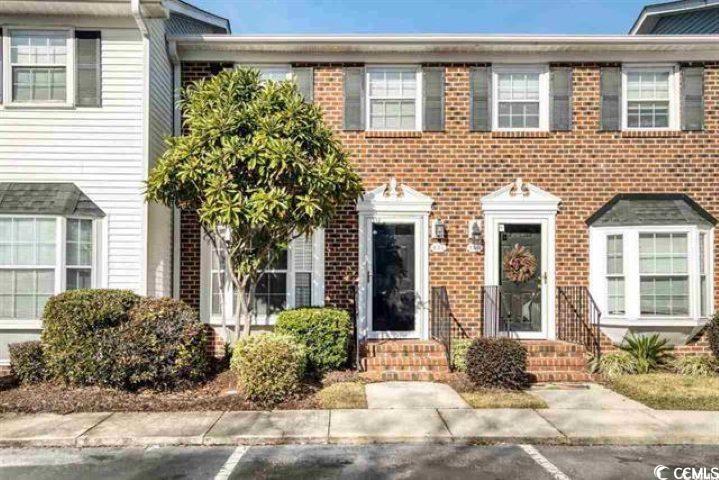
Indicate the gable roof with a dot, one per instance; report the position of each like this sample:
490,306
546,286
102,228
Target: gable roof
678,17
64,199
628,209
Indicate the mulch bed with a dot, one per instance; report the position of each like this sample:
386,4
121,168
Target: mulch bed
211,395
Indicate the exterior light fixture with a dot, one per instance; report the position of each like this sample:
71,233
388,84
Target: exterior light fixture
475,236
439,235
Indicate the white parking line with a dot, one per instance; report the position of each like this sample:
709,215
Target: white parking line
542,461
231,463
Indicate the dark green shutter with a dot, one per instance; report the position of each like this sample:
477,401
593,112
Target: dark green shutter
354,94
88,78
304,76
433,93
480,99
560,97
610,86
692,110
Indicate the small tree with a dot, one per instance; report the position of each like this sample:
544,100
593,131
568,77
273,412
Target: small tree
259,167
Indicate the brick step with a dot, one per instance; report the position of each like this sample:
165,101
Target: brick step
555,376
556,348
433,354
407,361
557,368
578,361
412,376
402,346
408,368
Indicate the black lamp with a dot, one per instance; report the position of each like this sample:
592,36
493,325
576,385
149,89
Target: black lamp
439,230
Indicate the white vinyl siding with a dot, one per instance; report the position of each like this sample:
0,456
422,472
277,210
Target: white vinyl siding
393,98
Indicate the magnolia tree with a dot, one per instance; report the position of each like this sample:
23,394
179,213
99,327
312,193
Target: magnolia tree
259,167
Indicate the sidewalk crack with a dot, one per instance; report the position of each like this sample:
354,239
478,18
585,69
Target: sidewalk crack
538,412
444,422
87,430
202,439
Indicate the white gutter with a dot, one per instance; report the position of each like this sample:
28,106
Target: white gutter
139,19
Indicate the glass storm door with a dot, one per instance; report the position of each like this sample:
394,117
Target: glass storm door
393,279
521,301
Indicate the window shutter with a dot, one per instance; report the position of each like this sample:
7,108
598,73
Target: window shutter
610,86
433,92
88,81
354,98
480,99
304,76
560,98
692,108
1,63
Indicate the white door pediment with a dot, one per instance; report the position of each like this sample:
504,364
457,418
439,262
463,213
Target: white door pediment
394,197
520,196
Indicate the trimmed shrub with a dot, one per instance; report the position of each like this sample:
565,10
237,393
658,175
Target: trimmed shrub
696,365
27,362
614,364
163,345
459,354
326,332
713,334
75,323
497,363
648,352
269,366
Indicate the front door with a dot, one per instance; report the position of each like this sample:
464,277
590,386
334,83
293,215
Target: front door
520,284
393,301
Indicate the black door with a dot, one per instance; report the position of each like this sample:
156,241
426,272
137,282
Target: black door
521,301
393,289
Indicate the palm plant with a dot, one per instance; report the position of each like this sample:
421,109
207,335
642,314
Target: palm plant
649,352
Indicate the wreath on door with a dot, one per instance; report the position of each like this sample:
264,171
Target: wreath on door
519,264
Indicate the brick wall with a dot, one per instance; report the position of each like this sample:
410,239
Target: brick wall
584,167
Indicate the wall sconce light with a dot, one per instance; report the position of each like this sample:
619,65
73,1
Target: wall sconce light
439,234
475,236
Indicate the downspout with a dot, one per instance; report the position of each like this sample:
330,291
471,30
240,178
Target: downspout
139,19
176,131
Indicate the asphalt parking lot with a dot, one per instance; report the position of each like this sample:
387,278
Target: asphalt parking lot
354,462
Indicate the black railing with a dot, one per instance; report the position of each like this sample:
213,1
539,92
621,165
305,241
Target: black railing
493,324
440,320
578,318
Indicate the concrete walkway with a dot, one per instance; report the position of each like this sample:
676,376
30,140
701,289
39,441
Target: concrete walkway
379,425
412,395
590,397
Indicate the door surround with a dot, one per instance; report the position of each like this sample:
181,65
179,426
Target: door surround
524,203
394,203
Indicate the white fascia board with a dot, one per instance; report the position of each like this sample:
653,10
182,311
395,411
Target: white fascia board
188,10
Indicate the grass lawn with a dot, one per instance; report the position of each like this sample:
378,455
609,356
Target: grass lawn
342,395
670,391
502,399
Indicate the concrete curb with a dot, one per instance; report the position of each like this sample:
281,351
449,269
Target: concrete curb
357,427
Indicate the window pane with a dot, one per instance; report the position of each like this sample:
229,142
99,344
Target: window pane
648,86
664,295
616,295
518,86
38,84
518,115
303,289
664,253
79,278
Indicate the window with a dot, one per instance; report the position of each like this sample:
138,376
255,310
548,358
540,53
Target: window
393,98
704,294
663,269
30,270
38,63
649,98
615,275
520,98
288,283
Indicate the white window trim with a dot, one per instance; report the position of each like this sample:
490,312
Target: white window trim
60,267
418,102
8,101
632,316
543,71
674,94
318,282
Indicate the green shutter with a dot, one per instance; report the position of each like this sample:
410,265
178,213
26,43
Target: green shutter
480,99
560,98
610,86
304,76
433,93
88,78
354,93
692,108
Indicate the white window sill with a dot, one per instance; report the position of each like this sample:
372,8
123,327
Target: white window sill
38,106
652,322
20,324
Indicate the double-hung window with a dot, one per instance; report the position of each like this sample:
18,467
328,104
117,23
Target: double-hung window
615,274
664,274
394,98
31,262
521,97
38,64
649,98
294,279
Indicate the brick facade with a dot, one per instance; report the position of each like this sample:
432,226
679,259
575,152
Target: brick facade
584,167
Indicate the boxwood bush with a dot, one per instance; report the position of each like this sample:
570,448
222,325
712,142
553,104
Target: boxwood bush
326,333
497,363
270,367
115,338
27,362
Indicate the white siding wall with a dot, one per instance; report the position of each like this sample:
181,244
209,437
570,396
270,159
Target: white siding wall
100,150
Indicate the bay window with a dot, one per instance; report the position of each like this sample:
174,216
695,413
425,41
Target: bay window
393,98
294,279
663,274
615,274
31,262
